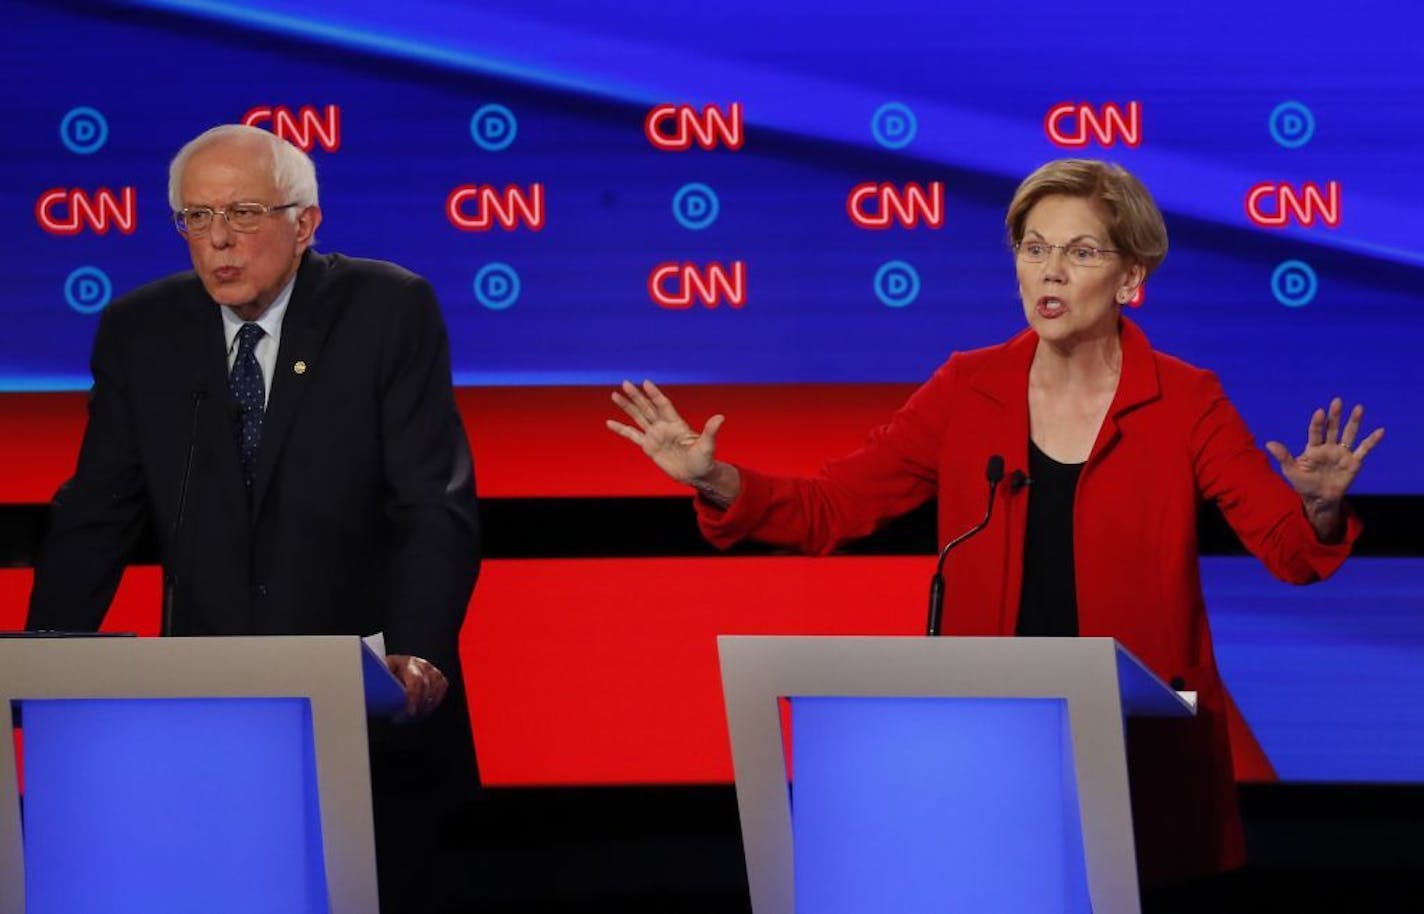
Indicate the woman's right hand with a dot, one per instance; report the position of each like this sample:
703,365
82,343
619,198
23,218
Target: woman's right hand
685,455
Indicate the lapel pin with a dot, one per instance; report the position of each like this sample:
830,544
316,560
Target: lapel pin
300,368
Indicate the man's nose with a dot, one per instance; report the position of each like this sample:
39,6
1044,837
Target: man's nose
220,233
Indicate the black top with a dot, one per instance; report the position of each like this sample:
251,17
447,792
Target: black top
1049,602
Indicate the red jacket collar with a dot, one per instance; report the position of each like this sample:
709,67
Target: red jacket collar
1004,376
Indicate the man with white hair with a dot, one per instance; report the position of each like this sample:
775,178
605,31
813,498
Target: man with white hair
284,422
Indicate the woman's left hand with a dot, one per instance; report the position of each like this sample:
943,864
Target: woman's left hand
1323,472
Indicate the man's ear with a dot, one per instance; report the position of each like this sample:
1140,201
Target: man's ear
307,221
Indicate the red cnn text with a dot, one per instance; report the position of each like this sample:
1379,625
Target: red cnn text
676,286
68,211
880,206
674,128
480,207
1073,125
303,128
1271,204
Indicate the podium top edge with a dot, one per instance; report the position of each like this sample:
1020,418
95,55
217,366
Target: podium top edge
249,665
923,642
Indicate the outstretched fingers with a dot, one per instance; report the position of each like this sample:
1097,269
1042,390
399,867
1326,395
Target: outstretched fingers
1352,426
1369,443
1348,433
625,431
662,407
632,401
1332,421
1315,434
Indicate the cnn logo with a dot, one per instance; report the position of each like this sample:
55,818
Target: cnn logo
1073,125
304,128
676,286
880,206
675,128
480,207
69,211
1271,204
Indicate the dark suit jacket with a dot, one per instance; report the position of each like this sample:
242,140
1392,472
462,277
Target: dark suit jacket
362,515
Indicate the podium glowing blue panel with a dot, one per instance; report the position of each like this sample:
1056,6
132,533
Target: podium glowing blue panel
931,805
171,805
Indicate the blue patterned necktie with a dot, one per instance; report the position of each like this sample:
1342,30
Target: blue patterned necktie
245,383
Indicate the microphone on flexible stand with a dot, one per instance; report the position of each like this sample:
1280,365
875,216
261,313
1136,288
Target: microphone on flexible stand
170,580
994,473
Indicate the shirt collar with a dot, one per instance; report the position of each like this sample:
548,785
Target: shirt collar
270,321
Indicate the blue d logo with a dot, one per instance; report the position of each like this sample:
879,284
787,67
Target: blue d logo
1291,124
897,284
695,206
1294,283
497,286
87,290
83,131
493,128
893,125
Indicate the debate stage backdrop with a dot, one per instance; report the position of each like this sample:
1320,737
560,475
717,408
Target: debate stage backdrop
789,212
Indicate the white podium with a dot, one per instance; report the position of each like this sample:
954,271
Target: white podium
189,774
937,774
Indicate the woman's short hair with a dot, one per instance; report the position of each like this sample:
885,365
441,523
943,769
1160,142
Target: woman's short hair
292,169
1135,226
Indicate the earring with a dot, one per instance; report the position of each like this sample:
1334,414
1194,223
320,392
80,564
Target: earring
1122,297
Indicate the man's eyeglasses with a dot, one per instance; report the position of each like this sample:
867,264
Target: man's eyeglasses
1079,255
241,217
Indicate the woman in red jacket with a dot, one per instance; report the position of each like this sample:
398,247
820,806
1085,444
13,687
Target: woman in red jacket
1081,403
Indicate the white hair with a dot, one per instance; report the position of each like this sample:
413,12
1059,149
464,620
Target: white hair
292,170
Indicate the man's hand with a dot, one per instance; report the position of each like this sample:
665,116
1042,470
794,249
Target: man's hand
424,685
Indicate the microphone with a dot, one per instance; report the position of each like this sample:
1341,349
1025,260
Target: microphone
170,582
994,474
1018,479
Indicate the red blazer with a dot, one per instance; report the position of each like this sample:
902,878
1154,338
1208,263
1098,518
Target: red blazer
1170,439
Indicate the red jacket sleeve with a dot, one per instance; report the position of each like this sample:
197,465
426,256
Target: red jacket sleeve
893,472
1260,506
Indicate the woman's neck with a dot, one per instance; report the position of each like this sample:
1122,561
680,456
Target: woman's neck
1092,363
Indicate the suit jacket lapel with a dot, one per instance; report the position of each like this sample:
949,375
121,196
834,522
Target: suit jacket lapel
304,328
1138,384
1004,380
